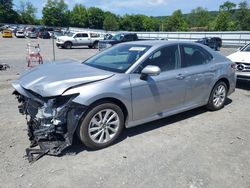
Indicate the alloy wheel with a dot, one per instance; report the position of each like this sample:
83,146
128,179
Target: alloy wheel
219,96
103,126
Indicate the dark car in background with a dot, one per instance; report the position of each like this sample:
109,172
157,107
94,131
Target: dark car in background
116,39
44,35
212,42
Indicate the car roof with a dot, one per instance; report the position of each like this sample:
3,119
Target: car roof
158,43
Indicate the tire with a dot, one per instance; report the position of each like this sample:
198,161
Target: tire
95,45
90,47
94,132
68,45
215,47
218,96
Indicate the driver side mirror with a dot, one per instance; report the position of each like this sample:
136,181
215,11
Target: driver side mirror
150,70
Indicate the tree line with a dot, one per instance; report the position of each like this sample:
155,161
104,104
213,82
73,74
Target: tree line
229,17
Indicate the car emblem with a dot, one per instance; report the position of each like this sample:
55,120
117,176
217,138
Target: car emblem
240,67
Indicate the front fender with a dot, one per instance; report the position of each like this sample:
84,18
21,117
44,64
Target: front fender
115,88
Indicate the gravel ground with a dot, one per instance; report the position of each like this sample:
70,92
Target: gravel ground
194,149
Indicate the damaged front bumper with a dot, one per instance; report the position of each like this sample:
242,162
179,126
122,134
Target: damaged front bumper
51,122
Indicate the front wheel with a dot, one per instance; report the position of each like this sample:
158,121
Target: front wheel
101,126
218,96
68,45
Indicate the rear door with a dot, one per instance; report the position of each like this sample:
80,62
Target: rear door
199,73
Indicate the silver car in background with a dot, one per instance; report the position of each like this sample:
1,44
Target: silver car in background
124,86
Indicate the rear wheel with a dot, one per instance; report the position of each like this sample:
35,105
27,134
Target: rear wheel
101,126
218,96
90,46
95,45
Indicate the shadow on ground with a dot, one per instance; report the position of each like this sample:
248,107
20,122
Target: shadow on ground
78,147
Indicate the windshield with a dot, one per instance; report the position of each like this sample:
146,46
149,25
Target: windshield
118,58
70,34
117,37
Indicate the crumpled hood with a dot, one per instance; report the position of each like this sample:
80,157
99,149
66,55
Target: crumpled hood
52,79
243,57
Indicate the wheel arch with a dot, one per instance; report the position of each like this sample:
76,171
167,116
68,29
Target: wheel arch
115,101
225,80
68,41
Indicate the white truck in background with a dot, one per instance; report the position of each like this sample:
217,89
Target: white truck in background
78,39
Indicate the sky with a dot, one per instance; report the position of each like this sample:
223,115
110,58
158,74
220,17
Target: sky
147,7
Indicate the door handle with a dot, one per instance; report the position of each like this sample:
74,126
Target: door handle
180,77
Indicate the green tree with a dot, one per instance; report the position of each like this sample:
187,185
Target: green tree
7,13
96,18
137,22
110,22
176,22
199,17
243,16
222,20
227,6
148,23
55,13
225,21
126,23
79,16
27,12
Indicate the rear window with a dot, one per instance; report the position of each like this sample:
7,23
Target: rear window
94,35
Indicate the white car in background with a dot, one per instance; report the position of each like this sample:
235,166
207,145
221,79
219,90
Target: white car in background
20,34
78,39
242,60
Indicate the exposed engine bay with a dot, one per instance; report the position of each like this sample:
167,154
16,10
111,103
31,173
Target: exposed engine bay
51,122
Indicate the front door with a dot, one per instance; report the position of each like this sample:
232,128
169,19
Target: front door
158,94
82,39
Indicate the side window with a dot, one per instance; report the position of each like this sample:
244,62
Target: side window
126,38
79,35
85,35
130,37
94,35
166,58
194,55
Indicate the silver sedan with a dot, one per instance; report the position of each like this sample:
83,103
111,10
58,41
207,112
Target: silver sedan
124,86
